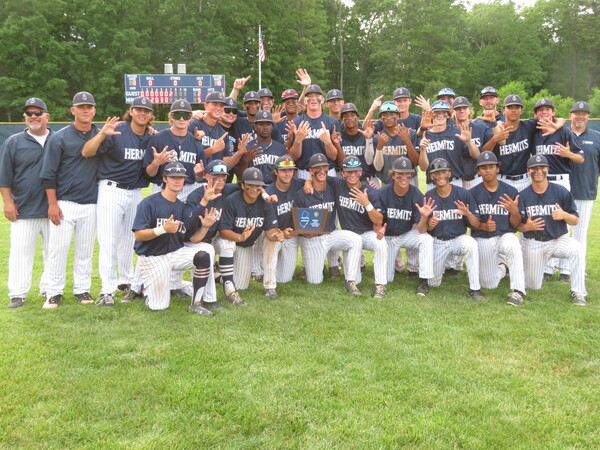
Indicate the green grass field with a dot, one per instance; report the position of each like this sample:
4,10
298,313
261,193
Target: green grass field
316,368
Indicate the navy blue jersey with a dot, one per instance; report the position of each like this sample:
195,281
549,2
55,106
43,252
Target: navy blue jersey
487,203
152,212
21,158
194,209
399,211
285,202
211,134
265,162
491,125
352,215
319,200
446,145
543,145
451,224
75,176
513,155
394,148
189,152
413,121
584,177
355,145
238,214
312,144
282,131
243,126
480,135
541,205
121,157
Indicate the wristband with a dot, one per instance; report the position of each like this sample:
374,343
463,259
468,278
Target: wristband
369,207
264,195
159,230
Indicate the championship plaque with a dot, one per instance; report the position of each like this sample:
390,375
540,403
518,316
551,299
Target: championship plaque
309,221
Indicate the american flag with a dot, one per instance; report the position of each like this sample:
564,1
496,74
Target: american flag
261,47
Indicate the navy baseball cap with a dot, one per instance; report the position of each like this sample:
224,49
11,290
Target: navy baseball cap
181,105
460,102
231,103
581,106
486,158
543,102
488,90
34,101
83,98
351,164
285,162
401,92
446,91
289,93
513,99
537,160
388,107
402,165
253,176
141,102
264,92
215,97
263,116
217,167
251,96
348,107
313,89
440,106
439,164
174,169
318,159
333,94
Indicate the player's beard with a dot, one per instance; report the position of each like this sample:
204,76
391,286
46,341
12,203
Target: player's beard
34,128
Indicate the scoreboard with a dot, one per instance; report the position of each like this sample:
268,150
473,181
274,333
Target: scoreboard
166,89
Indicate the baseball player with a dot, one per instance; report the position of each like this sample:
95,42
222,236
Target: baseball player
480,135
357,142
245,216
546,210
488,99
120,147
214,195
289,100
456,209
25,203
403,100
72,191
394,141
358,211
442,141
315,248
159,234
334,100
312,132
406,215
266,99
282,256
584,179
499,247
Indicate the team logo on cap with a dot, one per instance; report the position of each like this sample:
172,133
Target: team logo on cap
181,103
254,174
403,163
514,98
538,158
143,101
543,101
84,97
31,101
581,105
486,156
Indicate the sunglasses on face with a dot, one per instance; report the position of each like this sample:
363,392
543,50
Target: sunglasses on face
182,115
34,113
230,111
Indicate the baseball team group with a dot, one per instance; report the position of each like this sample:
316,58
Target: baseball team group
487,177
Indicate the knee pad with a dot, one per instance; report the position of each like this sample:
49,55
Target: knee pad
201,259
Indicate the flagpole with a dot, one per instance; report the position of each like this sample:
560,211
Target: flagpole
259,63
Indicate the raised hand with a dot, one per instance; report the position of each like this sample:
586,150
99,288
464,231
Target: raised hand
461,208
210,217
246,233
239,83
171,226
422,103
163,157
465,133
510,205
303,77
109,126
428,207
325,136
360,196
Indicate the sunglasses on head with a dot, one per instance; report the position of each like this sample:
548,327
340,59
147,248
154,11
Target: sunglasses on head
34,113
219,168
231,111
353,163
287,163
177,115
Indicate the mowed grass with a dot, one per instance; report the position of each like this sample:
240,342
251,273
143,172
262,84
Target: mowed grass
315,368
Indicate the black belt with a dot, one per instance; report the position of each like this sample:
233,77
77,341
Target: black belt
469,178
555,177
543,239
515,177
445,238
121,186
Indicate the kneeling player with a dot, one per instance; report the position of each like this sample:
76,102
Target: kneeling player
159,234
499,247
456,209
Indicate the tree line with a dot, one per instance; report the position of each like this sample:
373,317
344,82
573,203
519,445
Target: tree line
52,49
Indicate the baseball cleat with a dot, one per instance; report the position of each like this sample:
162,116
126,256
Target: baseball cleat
130,295
379,291
334,272
197,309
84,298
235,299
578,299
211,306
52,302
351,287
106,300
515,298
476,295
423,288
271,293
565,278
124,287
16,302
